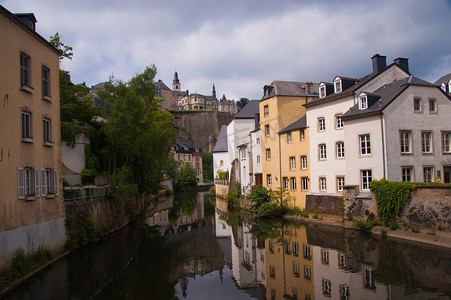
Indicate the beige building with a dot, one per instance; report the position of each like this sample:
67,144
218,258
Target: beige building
282,105
185,152
169,97
31,210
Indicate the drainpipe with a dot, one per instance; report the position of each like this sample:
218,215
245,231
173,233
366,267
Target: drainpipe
383,144
280,169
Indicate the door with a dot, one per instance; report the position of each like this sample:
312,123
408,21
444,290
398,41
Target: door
447,174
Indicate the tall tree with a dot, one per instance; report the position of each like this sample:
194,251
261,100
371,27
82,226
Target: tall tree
241,103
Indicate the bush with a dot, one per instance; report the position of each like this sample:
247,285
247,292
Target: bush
315,216
87,176
258,196
270,209
362,225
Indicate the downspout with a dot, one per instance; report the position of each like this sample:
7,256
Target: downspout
280,170
383,144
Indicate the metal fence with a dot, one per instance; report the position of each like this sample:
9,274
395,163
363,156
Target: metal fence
84,192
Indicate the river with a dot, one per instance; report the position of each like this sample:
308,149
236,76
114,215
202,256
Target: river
188,249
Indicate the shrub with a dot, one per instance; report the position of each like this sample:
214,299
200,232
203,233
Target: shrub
362,225
393,225
87,176
384,232
416,230
432,231
315,216
258,196
296,211
270,209
350,215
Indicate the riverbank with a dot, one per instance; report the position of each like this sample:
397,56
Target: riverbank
424,236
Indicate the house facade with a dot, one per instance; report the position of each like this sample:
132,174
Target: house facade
184,152
281,105
221,160
328,151
31,209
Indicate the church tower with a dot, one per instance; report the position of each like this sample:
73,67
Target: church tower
213,93
176,82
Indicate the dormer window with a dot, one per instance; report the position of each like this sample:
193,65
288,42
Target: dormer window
363,102
337,85
322,90
444,87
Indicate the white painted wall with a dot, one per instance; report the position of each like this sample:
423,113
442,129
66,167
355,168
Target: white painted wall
217,158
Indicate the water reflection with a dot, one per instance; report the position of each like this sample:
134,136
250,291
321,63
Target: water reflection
190,250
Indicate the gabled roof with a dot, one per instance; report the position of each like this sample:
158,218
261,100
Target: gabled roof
300,123
248,111
221,142
291,88
443,79
99,86
161,86
387,93
359,83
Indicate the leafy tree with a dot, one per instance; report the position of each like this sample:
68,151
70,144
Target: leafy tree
137,132
187,176
241,103
66,51
207,165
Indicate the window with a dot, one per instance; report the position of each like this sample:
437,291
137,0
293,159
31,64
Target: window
271,246
289,139
302,135
268,154
338,122
406,142
417,105
426,142
24,70
26,125
46,125
27,183
266,110
45,83
340,150
221,163
258,159
365,145
304,162
342,260
287,248
340,183
293,183
406,174
304,182
326,287
446,144
295,249
363,102
258,141
368,281
366,179
285,183
243,153
428,174
292,163
296,269
321,124
344,291
325,256
322,184
272,271
337,86
268,179
322,91
307,252
267,130
307,272
322,151
432,106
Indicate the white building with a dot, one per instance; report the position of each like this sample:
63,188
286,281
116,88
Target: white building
221,160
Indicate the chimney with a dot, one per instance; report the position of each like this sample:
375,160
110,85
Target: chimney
308,87
403,63
379,63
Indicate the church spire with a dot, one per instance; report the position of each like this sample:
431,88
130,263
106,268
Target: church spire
176,82
214,91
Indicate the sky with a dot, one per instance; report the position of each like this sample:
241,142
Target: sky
242,45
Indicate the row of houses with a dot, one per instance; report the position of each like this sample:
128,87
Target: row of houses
312,139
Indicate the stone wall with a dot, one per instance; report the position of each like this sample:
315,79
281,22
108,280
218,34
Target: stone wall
358,204
323,204
221,193
203,126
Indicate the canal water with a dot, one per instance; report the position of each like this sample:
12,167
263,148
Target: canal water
188,249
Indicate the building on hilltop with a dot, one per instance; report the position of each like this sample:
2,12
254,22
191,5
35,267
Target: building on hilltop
185,152
30,150
170,97
227,105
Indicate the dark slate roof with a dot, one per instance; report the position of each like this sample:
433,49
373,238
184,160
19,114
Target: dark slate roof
249,111
161,86
291,88
359,83
99,86
387,93
298,124
221,142
443,79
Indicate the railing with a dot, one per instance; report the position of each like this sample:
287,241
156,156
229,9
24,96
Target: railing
84,192
222,181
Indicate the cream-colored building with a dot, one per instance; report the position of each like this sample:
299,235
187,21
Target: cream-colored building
31,209
282,105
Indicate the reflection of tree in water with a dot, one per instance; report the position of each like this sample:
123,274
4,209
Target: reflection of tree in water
185,203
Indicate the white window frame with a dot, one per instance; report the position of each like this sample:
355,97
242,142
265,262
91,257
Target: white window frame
266,110
366,176
426,142
25,78
27,125
292,163
365,144
339,124
363,102
340,146
293,183
289,137
267,130
420,103
406,174
322,184
340,183
446,142
321,124
338,86
45,83
428,174
307,272
268,153
406,142
322,151
302,133
322,90
304,183
47,130
304,162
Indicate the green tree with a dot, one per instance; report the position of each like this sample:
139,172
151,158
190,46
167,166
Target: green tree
207,165
187,176
66,51
138,134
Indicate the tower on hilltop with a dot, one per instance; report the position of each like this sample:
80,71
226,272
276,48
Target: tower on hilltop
176,82
213,93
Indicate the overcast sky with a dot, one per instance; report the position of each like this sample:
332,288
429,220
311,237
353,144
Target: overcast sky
241,45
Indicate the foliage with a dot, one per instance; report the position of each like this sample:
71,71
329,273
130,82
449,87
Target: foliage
258,196
350,216
87,176
207,165
315,216
232,197
268,203
270,209
393,225
71,242
222,174
241,103
384,232
187,176
362,225
66,51
137,132
431,231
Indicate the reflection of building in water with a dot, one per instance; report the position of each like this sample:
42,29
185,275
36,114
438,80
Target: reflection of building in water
289,266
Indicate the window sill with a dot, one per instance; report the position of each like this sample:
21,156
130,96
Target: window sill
50,196
30,198
47,98
27,89
427,153
49,144
28,140
406,153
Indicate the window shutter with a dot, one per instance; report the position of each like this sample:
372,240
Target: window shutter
55,181
20,183
36,182
43,185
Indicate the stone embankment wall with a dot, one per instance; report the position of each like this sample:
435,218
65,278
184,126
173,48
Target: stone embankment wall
203,126
430,206
222,189
323,204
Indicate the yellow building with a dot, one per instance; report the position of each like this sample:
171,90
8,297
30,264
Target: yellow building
294,149
281,106
31,209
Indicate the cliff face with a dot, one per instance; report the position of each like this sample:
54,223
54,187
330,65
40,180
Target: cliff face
203,126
